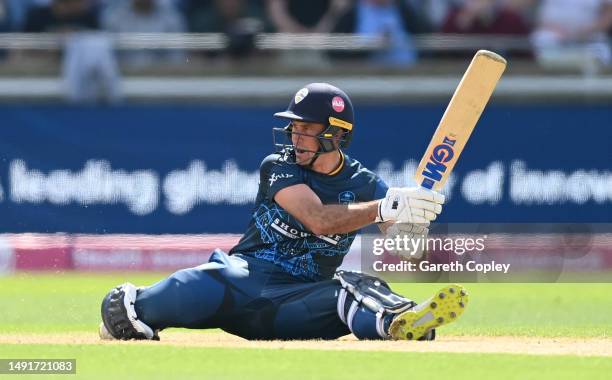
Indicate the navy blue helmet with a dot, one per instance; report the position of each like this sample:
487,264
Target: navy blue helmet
324,104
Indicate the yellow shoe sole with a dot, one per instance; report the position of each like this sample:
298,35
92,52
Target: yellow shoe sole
443,308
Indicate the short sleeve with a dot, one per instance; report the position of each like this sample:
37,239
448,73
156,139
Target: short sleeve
381,189
276,174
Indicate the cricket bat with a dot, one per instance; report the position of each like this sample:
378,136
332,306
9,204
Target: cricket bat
459,119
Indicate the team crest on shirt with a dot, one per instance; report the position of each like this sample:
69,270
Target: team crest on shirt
346,197
300,95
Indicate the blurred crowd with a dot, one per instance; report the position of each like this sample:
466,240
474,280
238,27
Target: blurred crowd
560,32
546,22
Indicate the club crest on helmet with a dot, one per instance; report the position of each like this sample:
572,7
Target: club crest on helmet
301,95
320,103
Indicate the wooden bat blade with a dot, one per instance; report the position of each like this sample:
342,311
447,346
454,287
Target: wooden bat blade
459,119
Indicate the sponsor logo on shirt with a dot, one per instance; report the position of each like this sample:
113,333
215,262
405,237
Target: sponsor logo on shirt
294,233
275,177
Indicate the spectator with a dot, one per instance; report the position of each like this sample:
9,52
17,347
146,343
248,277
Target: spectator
415,17
145,16
62,16
15,12
216,16
525,8
573,33
90,69
240,20
5,17
110,4
383,18
315,16
432,12
484,17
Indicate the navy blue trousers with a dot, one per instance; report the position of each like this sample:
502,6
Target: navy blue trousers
250,298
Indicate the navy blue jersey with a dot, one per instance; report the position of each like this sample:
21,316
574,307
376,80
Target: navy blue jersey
274,235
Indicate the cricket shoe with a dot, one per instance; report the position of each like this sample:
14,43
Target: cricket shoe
119,319
420,321
104,334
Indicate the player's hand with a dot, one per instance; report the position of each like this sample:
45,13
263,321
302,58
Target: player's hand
410,205
412,236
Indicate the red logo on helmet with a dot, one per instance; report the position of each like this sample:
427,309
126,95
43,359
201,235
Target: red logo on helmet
338,104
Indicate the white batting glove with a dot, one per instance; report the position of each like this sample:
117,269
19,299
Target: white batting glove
410,205
410,239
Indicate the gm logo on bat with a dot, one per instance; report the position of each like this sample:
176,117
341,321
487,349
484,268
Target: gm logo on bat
440,155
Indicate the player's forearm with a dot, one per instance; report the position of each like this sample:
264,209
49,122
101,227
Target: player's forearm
341,219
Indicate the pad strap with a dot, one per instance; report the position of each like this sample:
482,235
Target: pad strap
371,292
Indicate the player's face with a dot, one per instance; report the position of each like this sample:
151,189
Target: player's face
304,139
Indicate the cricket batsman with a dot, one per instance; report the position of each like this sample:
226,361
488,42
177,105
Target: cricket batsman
281,280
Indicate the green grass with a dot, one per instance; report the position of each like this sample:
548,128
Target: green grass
158,362
70,302
557,309
35,303
58,302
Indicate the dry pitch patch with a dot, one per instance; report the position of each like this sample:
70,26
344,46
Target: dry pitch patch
452,344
